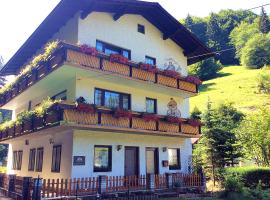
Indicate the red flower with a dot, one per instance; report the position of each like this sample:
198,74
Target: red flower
84,107
118,58
171,73
193,79
172,119
89,50
150,117
194,122
148,67
122,113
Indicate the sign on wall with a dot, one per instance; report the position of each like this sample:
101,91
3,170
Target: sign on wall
78,160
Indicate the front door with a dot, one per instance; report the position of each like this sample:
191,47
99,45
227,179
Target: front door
131,161
152,161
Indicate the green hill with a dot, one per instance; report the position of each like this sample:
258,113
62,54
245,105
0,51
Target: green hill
235,84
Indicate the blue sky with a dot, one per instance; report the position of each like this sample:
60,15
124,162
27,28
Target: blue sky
19,18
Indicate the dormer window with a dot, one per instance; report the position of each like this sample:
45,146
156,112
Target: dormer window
141,29
112,49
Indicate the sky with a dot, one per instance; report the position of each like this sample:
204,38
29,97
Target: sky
19,18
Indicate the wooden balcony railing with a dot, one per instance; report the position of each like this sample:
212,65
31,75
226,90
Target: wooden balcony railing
101,118
72,54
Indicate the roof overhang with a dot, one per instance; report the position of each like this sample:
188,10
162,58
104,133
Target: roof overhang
153,12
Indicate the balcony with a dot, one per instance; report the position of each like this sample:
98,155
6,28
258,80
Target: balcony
102,119
74,56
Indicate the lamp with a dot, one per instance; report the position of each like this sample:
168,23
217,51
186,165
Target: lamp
26,142
119,147
164,149
51,141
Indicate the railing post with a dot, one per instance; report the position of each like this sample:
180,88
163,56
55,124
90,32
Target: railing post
169,180
37,189
26,188
11,184
102,186
151,182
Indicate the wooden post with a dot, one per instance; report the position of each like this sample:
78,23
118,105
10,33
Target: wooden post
11,184
37,189
26,188
102,186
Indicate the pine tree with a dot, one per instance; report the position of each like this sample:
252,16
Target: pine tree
189,22
214,32
264,22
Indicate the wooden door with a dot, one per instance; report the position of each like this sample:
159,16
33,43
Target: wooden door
152,161
131,161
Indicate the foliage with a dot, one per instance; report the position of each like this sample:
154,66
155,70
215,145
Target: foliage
88,50
254,134
233,184
264,81
118,58
264,22
196,113
237,84
42,109
205,69
218,146
250,176
256,52
2,78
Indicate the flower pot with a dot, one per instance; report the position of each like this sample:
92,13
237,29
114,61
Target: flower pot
27,126
38,123
18,129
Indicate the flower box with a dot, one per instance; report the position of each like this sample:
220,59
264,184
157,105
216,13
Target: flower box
88,50
27,126
150,117
193,79
119,58
38,122
122,113
172,119
18,129
85,107
171,73
148,67
194,122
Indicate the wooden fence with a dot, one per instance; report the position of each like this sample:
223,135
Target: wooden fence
187,180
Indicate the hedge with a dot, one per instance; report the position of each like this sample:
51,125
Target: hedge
250,176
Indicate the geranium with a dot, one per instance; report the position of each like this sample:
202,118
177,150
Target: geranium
148,67
122,113
88,50
172,119
193,79
171,73
150,117
85,107
118,58
194,122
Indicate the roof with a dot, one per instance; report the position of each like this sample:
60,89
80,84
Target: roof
66,9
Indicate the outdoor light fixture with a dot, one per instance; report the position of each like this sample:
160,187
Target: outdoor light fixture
26,142
119,147
164,149
51,141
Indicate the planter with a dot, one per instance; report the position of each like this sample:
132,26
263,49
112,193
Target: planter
168,81
143,75
27,126
18,129
51,118
38,123
118,68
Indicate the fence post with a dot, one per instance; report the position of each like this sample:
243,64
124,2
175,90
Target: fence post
37,189
203,180
169,180
11,184
151,182
26,188
102,186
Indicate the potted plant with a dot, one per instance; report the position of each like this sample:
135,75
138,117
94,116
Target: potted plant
117,113
119,58
193,79
173,119
83,106
88,50
171,73
148,67
150,117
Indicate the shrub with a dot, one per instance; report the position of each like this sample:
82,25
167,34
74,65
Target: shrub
250,176
233,184
263,80
206,69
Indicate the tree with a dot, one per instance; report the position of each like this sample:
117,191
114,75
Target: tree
196,113
264,22
256,52
2,78
205,69
254,134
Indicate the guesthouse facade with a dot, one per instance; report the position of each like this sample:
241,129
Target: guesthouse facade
102,89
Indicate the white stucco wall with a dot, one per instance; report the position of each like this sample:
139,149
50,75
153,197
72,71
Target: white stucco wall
63,138
123,33
84,142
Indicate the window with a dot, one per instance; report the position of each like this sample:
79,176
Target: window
103,159
17,160
111,49
141,29
56,158
32,160
150,60
112,99
39,159
151,105
60,96
174,159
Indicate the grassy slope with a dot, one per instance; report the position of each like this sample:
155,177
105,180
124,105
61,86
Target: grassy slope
236,84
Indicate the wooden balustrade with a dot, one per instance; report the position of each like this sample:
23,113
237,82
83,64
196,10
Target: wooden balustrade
160,181
187,180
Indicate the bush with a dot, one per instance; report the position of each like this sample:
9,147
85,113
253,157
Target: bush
233,184
264,81
206,69
256,52
250,176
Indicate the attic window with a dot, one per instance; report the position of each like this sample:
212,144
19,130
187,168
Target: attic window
141,29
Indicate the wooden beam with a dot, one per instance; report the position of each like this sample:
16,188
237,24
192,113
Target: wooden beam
168,35
87,11
119,13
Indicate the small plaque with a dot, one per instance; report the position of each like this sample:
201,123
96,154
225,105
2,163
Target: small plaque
78,160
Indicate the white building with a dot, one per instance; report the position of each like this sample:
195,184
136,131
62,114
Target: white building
87,145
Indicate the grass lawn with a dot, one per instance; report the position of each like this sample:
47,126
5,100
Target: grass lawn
235,84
